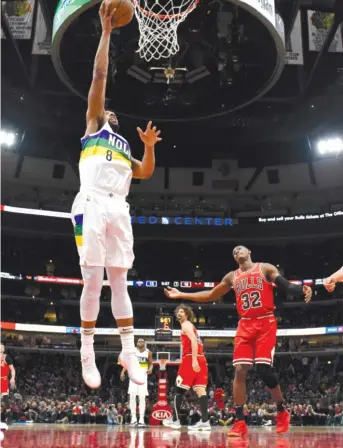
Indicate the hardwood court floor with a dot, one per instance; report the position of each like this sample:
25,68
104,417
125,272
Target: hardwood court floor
101,436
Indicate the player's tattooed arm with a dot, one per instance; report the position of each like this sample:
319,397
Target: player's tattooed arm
272,275
96,95
145,169
211,295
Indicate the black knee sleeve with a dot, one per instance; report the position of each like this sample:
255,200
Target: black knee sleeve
180,390
177,402
267,375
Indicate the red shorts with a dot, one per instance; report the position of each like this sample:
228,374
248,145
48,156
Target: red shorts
255,341
4,386
187,378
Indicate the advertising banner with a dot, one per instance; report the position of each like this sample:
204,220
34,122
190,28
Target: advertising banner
294,45
19,15
319,24
42,39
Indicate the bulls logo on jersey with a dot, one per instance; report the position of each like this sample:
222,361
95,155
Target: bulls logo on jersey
253,282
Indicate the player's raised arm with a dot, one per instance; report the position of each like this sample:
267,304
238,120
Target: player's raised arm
272,274
96,95
144,169
203,296
330,282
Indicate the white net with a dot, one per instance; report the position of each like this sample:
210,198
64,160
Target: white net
158,21
163,364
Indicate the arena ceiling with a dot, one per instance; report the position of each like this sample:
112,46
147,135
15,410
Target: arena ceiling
305,102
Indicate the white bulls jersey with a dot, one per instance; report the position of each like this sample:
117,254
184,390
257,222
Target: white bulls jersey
105,162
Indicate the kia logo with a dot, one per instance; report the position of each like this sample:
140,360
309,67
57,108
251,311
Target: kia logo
161,415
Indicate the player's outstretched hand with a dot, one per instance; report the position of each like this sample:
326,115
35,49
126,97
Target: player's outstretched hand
308,293
172,293
195,366
150,136
106,14
329,284
122,376
12,383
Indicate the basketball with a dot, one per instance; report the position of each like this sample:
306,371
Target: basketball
124,13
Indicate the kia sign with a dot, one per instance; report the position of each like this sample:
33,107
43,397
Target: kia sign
161,414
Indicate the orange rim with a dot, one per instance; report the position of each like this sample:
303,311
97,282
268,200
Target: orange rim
166,16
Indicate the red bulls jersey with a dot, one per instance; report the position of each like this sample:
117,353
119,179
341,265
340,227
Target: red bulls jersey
6,361
187,345
254,294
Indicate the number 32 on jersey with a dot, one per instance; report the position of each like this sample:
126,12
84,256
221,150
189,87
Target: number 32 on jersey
251,300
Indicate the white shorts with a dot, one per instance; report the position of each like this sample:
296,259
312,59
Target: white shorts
103,231
135,389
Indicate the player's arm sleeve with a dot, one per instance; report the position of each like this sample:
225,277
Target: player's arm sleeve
287,287
273,275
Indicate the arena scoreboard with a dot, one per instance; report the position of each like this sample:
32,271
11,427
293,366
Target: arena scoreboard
164,328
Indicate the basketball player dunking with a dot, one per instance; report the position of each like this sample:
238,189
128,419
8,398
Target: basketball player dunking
256,332
192,373
141,391
6,369
101,214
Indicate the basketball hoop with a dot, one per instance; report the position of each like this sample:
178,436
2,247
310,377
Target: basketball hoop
158,21
163,364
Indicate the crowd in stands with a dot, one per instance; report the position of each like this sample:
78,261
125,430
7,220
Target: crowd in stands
50,390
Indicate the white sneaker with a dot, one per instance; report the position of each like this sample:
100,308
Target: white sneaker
2,436
134,370
134,424
3,426
169,423
200,426
141,425
90,373
268,423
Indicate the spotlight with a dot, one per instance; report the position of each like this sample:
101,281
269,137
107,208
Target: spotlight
330,146
7,138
